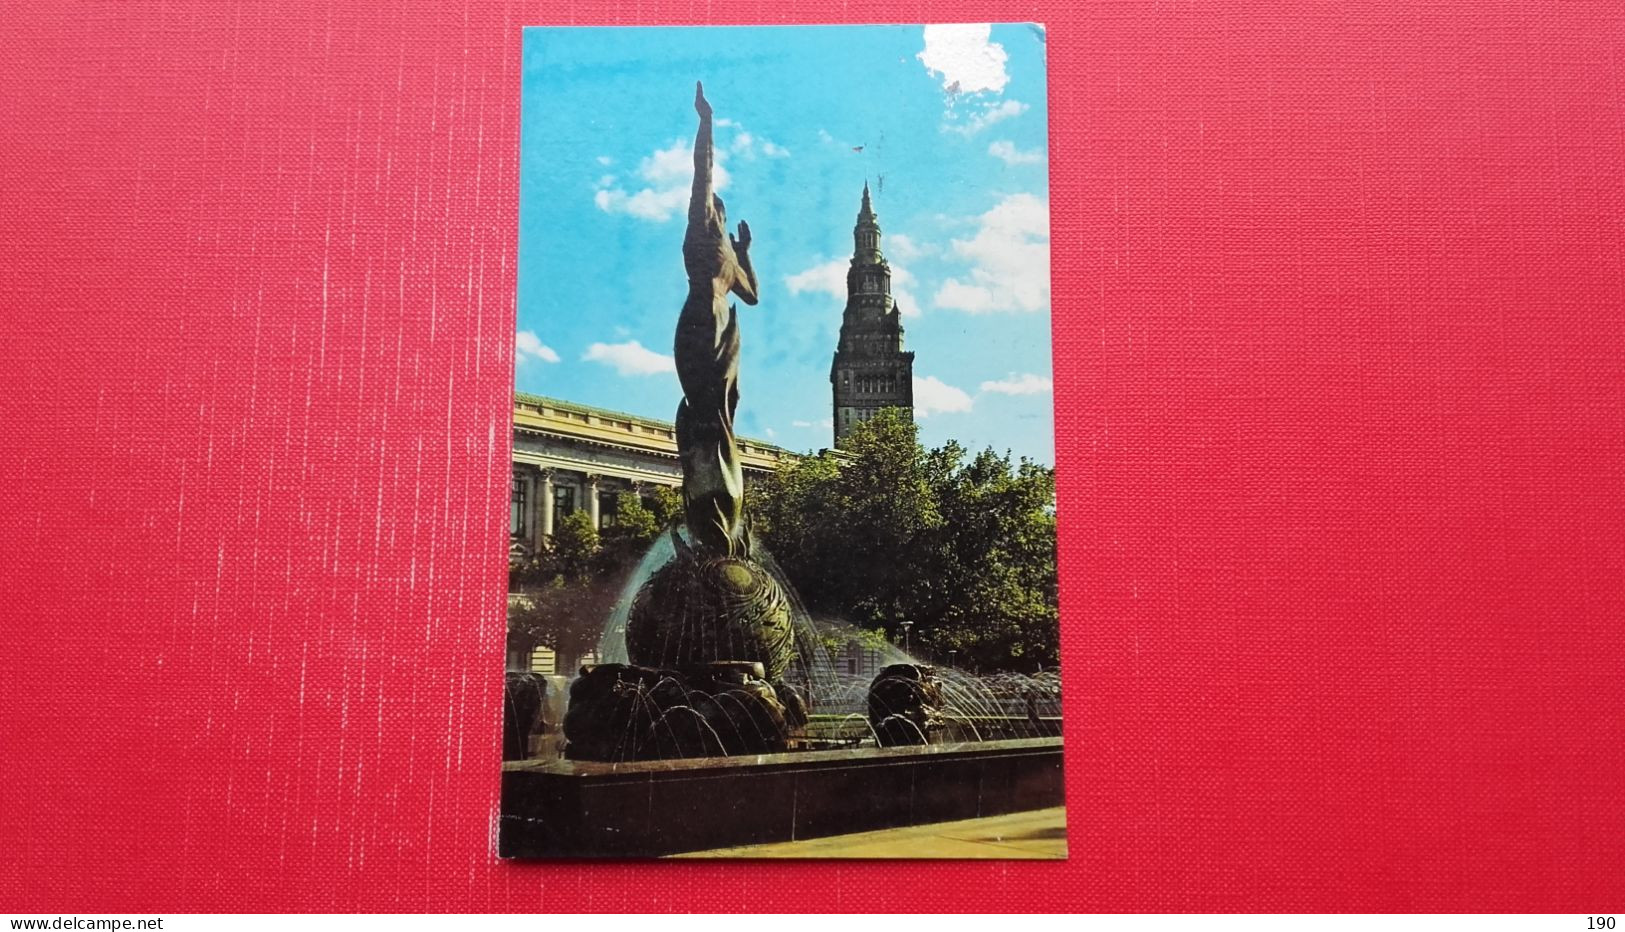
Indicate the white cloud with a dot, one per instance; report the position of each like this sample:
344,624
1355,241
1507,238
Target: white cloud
905,247
827,278
529,346
669,174
604,160
902,290
749,145
629,358
1009,260
1006,151
965,58
647,204
990,114
1024,384
801,423
830,278
934,396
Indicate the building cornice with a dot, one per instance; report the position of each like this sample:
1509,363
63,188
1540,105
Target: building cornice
538,415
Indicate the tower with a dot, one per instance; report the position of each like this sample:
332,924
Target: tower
870,371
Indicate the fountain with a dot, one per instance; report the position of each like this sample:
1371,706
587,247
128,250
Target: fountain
905,703
715,718
708,633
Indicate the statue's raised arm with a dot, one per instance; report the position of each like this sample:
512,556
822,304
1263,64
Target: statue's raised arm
716,259
700,207
706,353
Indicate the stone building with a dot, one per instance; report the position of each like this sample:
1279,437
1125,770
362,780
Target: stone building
870,371
569,457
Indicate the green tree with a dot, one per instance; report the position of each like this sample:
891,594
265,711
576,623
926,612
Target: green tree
890,523
836,640
887,532
1000,602
574,544
559,614
632,530
793,512
566,590
666,504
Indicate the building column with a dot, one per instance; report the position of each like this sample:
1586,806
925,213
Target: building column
590,489
544,509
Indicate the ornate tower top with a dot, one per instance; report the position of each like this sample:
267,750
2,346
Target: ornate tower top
866,235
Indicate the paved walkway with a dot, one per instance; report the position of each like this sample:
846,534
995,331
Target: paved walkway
1040,834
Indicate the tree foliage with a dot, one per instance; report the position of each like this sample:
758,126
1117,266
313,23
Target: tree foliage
566,589
962,546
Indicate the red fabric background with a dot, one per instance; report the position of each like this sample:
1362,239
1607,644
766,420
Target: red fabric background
1340,367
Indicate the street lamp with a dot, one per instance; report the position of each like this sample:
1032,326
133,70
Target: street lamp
906,625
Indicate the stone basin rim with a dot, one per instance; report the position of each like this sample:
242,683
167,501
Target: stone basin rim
581,768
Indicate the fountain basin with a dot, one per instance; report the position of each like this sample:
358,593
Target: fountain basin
559,808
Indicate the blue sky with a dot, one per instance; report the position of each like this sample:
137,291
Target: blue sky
952,125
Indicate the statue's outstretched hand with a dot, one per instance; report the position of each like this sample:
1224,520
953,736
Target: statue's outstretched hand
701,105
745,284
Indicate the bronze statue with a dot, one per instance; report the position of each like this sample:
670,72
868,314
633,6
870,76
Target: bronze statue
707,354
713,603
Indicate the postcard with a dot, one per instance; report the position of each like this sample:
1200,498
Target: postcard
782,537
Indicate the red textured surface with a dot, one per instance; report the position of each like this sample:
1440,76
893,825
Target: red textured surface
1341,368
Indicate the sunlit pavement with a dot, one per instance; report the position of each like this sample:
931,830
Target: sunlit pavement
1039,834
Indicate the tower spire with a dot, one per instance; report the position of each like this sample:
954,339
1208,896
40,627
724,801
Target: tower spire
866,235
